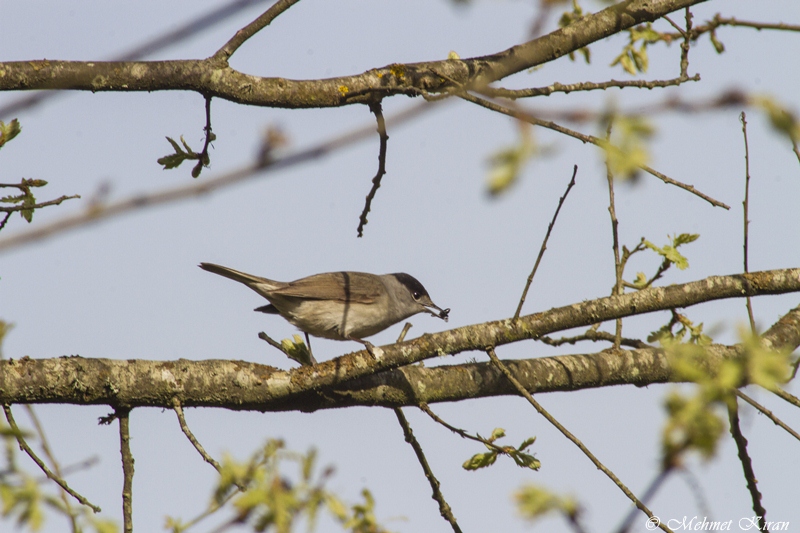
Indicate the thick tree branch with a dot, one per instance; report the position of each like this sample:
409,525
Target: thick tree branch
213,77
249,386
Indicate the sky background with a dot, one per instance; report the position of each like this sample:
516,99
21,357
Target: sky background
129,287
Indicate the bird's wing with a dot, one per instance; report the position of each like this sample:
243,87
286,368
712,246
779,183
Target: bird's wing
344,286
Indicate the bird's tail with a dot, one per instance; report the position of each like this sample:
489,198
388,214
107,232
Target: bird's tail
235,275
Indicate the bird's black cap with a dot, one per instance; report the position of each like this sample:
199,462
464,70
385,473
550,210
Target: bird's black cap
411,283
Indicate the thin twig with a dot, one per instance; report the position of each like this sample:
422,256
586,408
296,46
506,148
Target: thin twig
593,335
747,464
513,94
796,150
5,219
686,44
254,27
499,364
655,485
719,20
176,406
544,243
56,467
746,204
460,432
27,449
618,290
16,208
769,414
377,110
791,398
444,508
205,159
123,415
591,139
95,213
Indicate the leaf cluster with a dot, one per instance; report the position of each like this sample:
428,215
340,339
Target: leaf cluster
534,501
23,497
273,501
180,155
693,421
518,454
633,59
626,152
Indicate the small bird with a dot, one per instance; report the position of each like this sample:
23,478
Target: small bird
340,305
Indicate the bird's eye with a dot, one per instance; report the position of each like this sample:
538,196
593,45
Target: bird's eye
416,295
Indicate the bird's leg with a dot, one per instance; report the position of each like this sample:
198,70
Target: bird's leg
373,350
310,353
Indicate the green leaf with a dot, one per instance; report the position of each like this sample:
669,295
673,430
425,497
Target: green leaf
640,281
526,460
534,501
497,433
480,460
506,165
9,131
527,442
781,118
718,46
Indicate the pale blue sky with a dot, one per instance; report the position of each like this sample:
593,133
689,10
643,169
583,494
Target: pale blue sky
130,288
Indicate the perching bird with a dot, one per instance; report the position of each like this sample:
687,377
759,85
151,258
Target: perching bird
340,305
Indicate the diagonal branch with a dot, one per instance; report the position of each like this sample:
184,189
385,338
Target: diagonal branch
591,139
564,431
212,76
251,29
260,387
544,243
23,445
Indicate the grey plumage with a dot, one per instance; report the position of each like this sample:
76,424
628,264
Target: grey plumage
339,305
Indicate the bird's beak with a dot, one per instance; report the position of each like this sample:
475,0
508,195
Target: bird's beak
444,314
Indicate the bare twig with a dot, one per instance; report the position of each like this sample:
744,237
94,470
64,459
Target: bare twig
377,110
176,406
791,398
594,335
686,44
5,219
444,508
581,137
746,204
618,289
27,449
123,415
747,464
460,432
95,213
254,27
796,150
769,414
719,20
655,485
205,159
17,208
56,467
544,243
500,366
513,94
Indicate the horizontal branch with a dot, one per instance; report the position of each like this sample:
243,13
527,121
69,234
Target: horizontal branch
214,77
243,385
